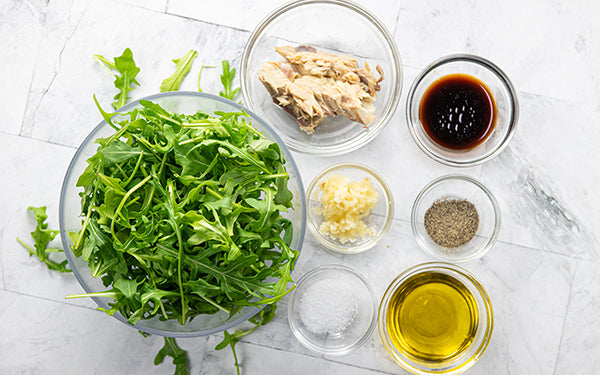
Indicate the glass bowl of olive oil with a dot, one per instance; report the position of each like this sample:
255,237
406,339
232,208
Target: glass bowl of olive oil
435,318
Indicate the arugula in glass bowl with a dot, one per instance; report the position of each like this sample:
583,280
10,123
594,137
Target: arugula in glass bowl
184,215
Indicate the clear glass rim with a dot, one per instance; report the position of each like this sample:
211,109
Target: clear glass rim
460,177
93,135
332,245
363,138
320,349
452,269
514,105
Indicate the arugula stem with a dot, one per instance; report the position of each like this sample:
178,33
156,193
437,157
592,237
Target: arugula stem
213,193
277,175
132,201
107,294
236,363
172,204
106,64
89,212
137,165
144,142
122,203
29,248
200,74
121,170
215,304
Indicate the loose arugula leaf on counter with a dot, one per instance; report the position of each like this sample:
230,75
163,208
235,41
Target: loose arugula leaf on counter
227,81
127,70
182,68
181,216
172,350
42,237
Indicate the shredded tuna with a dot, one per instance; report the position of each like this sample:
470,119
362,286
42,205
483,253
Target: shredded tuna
312,85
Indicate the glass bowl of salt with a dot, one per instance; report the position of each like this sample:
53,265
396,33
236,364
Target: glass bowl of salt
332,310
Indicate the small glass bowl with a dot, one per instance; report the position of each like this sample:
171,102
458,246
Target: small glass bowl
477,347
380,217
355,32
322,284
459,187
501,89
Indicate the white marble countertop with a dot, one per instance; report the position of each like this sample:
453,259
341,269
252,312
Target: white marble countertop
543,275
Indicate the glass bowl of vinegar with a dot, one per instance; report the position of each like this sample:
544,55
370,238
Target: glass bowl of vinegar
435,318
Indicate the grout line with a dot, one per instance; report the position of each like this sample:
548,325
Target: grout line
407,222
564,323
49,299
2,263
53,143
33,71
400,9
207,22
39,140
318,358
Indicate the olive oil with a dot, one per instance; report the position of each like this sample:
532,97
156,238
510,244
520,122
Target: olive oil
432,317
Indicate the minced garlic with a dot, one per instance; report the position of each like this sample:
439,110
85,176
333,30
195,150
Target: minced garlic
344,204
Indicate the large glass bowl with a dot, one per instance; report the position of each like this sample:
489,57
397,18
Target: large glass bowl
70,210
355,32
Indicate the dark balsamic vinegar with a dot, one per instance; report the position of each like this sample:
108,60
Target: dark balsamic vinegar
458,112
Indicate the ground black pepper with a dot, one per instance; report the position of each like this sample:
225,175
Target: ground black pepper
451,222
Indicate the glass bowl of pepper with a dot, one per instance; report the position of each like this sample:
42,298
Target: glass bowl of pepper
455,218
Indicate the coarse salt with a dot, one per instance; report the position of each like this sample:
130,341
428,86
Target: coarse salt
327,307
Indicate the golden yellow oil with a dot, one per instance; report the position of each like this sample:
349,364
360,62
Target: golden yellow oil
432,317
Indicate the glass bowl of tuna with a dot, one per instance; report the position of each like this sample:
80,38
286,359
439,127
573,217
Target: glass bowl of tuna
169,227
327,88
333,310
350,208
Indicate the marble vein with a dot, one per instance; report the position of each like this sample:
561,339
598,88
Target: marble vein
57,69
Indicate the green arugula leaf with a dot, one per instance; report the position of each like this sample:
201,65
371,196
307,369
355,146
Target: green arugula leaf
42,236
227,80
182,68
119,151
171,349
127,70
127,287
